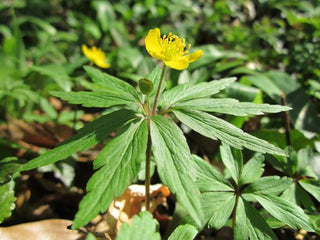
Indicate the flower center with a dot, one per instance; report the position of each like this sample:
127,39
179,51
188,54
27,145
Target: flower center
173,46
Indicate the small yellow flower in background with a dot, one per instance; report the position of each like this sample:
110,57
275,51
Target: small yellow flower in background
170,49
96,56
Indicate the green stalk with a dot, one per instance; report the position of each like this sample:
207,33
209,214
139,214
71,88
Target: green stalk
148,159
158,91
149,144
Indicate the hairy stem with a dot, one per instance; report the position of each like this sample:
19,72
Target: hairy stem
155,104
147,173
148,151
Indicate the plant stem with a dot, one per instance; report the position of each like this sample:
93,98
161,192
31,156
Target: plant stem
147,173
155,104
149,144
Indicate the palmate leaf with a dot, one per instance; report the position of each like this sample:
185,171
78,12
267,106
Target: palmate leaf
103,99
233,164
88,136
285,211
184,92
217,194
216,128
208,178
174,165
112,83
143,227
229,106
252,170
249,223
121,161
113,91
217,207
271,185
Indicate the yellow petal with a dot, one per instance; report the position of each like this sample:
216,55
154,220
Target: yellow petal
179,63
101,63
152,42
87,52
194,56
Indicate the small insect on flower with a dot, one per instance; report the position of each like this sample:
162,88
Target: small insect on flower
171,49
96,56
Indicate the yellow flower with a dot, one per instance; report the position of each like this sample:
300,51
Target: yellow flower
170,49
96,56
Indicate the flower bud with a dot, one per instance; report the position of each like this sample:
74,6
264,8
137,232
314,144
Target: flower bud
145,86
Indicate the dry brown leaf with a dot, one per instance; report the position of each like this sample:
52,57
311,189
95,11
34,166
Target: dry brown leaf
51,229
131,203
42,135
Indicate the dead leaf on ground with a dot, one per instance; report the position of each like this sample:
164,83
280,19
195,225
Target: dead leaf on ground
51,229
131,203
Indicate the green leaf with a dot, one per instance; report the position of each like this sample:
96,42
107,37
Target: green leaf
48,108
8,166
208,178
311,186
105,14
274,223
217,207
57,72
283,81
184,232
184,92
132,137
252,170
101,99
120,161
143,227
45,25
286,212
88,136
297,195
271,185
229,106
174,165
249,223
112,83
215,128
234,165
7,200
305,157
304,113
315,220
284,164
243,93
64,170
265,84
298,140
